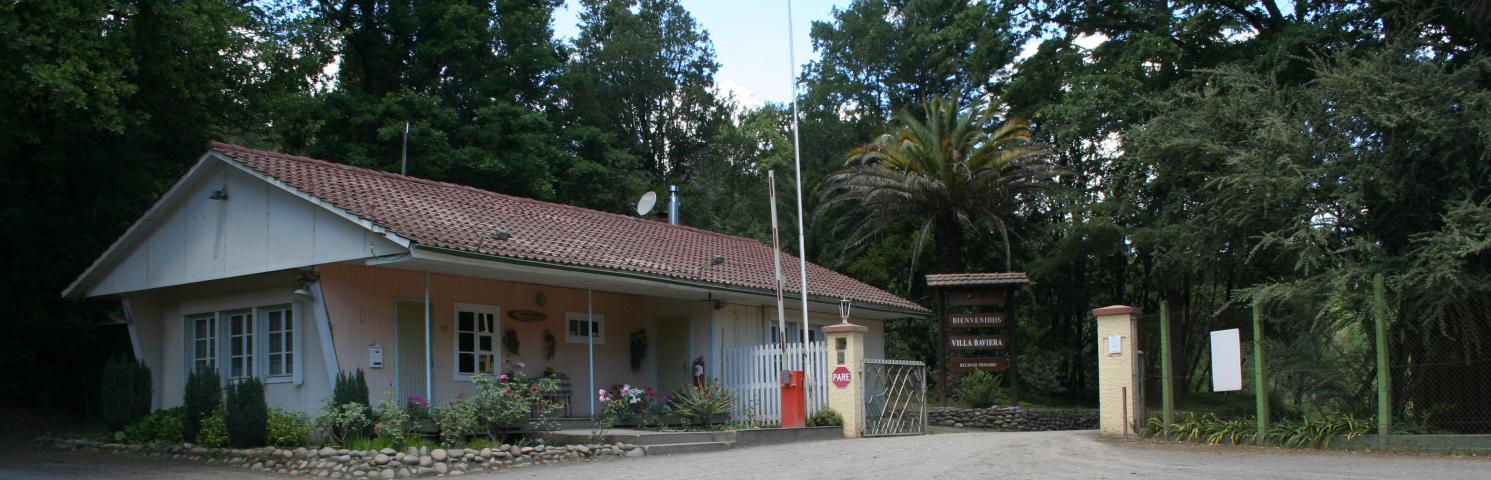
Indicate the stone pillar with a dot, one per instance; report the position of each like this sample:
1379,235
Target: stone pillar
1117,369
846,351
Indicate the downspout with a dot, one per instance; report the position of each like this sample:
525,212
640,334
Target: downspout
429,358
590,346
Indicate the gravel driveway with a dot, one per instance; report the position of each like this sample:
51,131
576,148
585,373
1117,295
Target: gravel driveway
945,455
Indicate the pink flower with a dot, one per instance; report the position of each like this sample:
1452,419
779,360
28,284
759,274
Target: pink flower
502,378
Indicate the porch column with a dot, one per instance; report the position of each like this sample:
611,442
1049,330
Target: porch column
846,355
1118,361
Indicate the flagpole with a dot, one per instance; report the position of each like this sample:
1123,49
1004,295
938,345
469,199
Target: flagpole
802,254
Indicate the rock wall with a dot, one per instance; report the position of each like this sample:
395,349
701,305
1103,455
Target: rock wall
1015,419
385,464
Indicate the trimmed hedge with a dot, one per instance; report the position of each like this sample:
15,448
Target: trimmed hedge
246,414
203,395
126,392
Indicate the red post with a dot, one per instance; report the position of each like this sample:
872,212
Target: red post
794,402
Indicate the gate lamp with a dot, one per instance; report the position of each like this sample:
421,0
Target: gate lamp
844,310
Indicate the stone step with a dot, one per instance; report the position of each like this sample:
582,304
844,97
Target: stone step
672,448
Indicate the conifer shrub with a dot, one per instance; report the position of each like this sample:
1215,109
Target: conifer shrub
203,395
126,392
246,413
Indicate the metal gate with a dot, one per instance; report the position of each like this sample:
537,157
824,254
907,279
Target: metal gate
895,398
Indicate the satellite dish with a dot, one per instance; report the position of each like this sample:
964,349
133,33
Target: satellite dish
645,204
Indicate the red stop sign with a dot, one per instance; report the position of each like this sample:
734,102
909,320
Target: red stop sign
840,376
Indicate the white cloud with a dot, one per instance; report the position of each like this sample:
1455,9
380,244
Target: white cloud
743,96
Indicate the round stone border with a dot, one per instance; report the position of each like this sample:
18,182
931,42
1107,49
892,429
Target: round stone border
328,462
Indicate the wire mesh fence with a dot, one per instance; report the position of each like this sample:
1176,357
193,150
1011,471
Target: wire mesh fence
1320,373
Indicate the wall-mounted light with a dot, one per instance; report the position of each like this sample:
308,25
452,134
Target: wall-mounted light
302,294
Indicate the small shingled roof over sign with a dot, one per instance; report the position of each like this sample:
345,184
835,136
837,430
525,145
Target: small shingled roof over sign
962,279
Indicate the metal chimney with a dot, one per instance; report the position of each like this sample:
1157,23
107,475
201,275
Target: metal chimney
673,204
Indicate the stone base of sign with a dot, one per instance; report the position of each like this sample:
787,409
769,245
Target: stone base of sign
1015,419
846,348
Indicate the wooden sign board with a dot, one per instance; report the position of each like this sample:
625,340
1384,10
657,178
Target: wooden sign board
974,298
971,320
972,364
976,342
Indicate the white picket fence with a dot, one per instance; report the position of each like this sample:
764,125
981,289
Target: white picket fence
753,373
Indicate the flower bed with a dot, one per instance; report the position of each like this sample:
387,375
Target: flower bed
342,463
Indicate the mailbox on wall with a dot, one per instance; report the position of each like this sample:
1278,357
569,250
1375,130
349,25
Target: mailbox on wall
375,356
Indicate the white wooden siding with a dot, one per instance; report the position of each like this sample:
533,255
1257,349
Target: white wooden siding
259,228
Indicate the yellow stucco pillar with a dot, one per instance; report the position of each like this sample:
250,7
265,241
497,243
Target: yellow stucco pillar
846,389
1119,400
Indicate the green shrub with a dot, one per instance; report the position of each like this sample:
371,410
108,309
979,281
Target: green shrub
351,387
457,420
246,413
827,417
126,392
513,402
341,423
288,429
162,426
700,405
203,395
393,422
213,431
979,389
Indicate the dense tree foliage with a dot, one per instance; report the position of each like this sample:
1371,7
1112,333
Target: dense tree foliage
1202,153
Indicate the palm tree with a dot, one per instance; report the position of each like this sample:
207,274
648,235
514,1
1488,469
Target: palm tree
946,170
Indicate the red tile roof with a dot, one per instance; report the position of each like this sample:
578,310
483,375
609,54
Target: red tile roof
462,218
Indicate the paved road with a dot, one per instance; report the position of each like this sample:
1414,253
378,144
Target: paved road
1015,455
949,455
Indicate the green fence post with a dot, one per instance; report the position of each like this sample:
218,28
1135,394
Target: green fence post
1260,390
1384,380
1167,394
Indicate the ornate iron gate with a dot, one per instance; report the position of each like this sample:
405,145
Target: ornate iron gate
895,398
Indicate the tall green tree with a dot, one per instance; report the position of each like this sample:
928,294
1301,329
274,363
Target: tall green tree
946,170
106,104
473,80
642,75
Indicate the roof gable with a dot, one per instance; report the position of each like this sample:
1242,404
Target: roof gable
190,236
461,218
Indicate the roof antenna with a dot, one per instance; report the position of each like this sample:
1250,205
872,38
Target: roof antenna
404,157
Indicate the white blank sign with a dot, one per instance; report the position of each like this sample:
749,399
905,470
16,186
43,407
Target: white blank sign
1226,361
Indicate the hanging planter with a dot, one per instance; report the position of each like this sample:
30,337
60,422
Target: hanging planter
510,341
639,348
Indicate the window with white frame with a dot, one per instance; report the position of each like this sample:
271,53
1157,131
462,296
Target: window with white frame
476,340
202,348
584,328
240,345
281,338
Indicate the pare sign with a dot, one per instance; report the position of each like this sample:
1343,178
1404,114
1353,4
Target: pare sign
840,377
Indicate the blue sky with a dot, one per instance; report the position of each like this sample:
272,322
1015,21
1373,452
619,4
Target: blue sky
750,41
